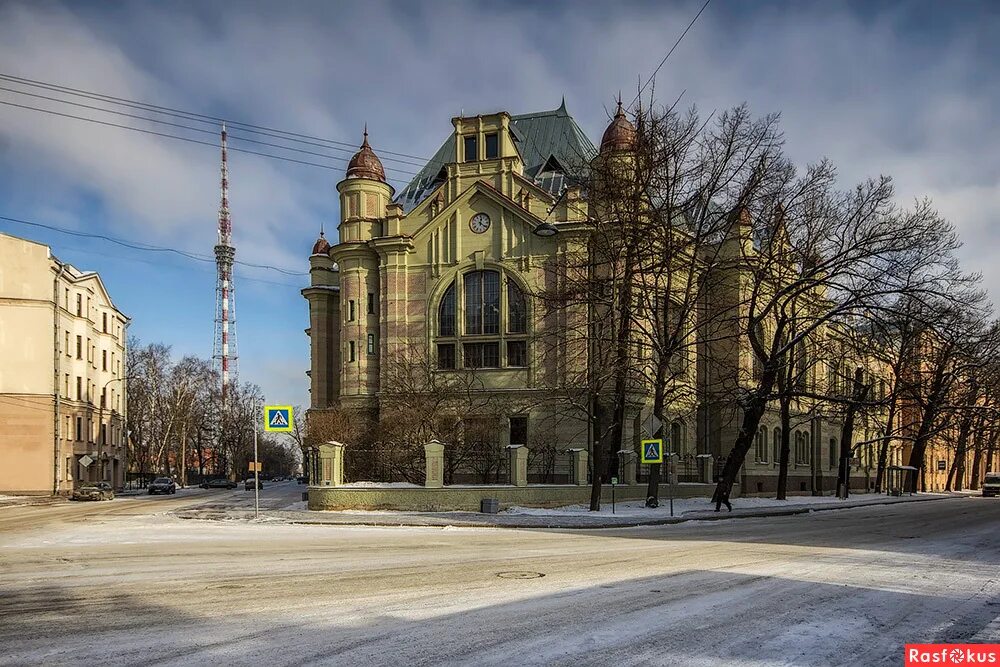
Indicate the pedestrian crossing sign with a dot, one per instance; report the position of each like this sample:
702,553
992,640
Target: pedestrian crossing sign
278,418
652,451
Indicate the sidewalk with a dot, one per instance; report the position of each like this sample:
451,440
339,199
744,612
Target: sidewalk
626,514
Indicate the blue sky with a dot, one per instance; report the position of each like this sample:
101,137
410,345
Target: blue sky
909,89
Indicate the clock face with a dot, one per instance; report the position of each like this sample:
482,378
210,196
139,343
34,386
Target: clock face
480,223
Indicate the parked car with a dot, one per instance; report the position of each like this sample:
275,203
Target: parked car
163,485
248,484
94,491
991,485
219,483
302,479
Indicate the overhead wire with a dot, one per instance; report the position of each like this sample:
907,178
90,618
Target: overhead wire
191,115
230,135
672,48
136,245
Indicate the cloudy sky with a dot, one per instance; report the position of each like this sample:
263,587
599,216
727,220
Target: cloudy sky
908,89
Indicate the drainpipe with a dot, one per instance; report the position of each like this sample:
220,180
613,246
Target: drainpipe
57,368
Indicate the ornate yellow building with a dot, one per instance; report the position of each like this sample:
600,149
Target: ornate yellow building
442,277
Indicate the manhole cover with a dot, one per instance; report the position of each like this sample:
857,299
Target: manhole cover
520,575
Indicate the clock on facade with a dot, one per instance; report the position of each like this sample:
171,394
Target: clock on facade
479,223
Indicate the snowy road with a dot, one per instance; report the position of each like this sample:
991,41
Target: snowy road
834,588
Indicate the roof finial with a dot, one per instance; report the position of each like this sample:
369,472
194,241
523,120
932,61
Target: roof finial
322,228
619,112
562,105
365,142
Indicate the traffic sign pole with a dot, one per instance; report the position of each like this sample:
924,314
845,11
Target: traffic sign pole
256,477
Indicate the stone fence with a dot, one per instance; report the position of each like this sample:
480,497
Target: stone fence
328,491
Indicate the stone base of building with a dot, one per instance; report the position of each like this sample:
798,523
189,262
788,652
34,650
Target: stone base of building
467,498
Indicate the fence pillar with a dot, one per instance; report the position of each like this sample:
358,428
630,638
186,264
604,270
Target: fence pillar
434,465
705,465
331,464
579,466
518,464
628,466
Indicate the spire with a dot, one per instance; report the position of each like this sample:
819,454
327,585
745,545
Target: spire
225,224
562,106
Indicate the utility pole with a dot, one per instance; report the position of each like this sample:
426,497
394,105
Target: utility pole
256,475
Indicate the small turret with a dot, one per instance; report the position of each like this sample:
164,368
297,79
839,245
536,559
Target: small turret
365,164
620,135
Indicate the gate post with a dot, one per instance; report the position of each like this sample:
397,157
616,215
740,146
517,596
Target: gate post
518,464
433,465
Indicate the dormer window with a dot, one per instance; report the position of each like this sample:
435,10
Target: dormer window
471,144
492,146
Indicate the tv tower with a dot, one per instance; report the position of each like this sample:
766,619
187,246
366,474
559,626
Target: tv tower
224,351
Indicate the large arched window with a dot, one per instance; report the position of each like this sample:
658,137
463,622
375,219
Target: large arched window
494,319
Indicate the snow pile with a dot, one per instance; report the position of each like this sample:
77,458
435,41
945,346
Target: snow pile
638,509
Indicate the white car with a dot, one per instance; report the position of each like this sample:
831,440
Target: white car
991,485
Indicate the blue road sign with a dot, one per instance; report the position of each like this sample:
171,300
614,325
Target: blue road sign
652,451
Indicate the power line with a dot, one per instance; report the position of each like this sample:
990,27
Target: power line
201,130
135,245
190,115
653,75
178,137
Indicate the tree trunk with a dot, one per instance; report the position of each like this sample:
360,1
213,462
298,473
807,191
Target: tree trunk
858,392
785,449
755,407
883,447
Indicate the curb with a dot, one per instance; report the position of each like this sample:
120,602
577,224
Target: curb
443,523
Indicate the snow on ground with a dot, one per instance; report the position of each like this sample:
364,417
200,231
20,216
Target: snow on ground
380,485
682,506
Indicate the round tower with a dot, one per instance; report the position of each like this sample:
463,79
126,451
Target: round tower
364,196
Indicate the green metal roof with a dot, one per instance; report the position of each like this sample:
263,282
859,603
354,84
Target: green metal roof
553,148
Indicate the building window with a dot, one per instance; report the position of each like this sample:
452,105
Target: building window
79,429
79,305
471,148
492,146
760,446
446,312
482,303
66,349
79,347
371,344
350,355
519,430
834,454
104,317
446,356
485,300
803,455
371,303
79,388
104,360
481,355
66,386
517,353
90,351
676,441
517,315
350,310
776,444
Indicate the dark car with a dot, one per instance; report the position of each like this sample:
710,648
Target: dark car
219,483
163,485
991,484
302,479
94,491
248,484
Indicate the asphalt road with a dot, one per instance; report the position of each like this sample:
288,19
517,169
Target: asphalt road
846,587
